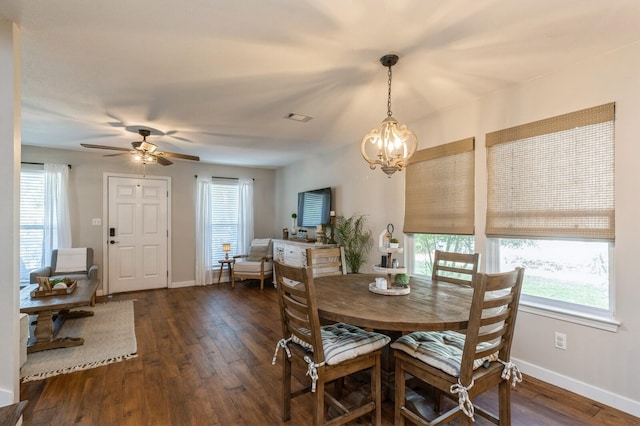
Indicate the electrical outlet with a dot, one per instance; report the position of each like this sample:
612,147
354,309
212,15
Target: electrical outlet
561,340
96,221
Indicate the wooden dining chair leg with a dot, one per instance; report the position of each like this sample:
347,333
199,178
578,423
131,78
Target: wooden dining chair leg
376,392
318,407
399,394
504,402
338,387
286,389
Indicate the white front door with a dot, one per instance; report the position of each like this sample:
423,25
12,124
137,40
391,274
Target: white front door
137,233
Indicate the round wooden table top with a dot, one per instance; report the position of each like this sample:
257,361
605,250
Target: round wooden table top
431,305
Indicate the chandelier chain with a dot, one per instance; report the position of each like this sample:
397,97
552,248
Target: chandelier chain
389,93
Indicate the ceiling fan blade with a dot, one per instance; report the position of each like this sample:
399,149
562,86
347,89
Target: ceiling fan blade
176,155
88,145
163,161
115,155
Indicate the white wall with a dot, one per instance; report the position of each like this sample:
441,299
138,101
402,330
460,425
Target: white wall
9,190
86,200
599,364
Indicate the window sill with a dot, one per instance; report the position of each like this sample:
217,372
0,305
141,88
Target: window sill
581,318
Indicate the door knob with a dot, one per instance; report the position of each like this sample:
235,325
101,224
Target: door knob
113,242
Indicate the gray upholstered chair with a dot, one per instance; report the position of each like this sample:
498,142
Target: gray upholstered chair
85,270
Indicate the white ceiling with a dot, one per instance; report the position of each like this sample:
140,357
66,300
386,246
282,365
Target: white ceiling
215,78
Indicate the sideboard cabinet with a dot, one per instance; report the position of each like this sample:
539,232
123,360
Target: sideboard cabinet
293,252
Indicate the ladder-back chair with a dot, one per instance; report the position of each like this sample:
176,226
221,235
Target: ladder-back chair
463,366
328,353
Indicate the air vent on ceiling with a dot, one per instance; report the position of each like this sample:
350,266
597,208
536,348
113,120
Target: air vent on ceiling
298,117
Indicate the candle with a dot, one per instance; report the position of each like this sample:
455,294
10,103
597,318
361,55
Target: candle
332,213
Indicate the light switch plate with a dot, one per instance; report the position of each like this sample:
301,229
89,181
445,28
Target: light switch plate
96,221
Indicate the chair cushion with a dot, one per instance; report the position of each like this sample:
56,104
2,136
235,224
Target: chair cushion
439,349
345,341
252,267
260,247
256,253
71,260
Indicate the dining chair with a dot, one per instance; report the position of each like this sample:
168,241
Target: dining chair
463,366
328,353
326,261
455,268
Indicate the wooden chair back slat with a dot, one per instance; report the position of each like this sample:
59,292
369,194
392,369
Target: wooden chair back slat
455,268
326,261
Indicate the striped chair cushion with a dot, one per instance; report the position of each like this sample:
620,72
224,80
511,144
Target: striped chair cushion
345,341
439,349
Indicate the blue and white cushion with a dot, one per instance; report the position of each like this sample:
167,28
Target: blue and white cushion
345,341
440,349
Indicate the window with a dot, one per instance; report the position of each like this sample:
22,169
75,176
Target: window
570,272
551,208
425,245
224,196
439,202
224,214
31,220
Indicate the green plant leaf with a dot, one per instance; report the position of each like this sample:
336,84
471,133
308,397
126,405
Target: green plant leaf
356,240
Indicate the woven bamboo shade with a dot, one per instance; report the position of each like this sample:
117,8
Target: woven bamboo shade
553,178
439,196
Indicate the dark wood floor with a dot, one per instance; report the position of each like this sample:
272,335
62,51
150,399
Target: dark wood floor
205,359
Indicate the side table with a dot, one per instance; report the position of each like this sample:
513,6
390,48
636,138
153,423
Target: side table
229,263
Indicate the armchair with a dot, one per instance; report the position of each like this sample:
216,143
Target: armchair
75,264
258,264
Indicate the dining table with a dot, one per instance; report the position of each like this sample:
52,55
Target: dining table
429,306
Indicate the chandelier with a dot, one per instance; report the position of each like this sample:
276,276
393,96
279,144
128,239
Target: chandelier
394,143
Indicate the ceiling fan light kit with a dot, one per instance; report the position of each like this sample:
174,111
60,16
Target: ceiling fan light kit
146,152
391,145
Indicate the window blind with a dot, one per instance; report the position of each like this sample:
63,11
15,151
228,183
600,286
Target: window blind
553,178
439,190
31,220
224,197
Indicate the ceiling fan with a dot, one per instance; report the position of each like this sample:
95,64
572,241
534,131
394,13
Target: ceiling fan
145,152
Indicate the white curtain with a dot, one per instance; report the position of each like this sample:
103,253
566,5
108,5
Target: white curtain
57,224
245,215
204,261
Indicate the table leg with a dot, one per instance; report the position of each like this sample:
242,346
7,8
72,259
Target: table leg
229,268
220,274
46,330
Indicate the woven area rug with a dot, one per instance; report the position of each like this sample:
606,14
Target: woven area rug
109,336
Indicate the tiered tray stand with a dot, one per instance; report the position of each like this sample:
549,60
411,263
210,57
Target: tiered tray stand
390,274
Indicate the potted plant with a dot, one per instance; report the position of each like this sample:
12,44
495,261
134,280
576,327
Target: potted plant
294,229
394,243
356,240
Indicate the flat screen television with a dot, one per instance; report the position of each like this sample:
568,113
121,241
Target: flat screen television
314,207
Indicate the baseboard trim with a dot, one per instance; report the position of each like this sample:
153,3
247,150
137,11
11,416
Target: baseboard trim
181,284
611,399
